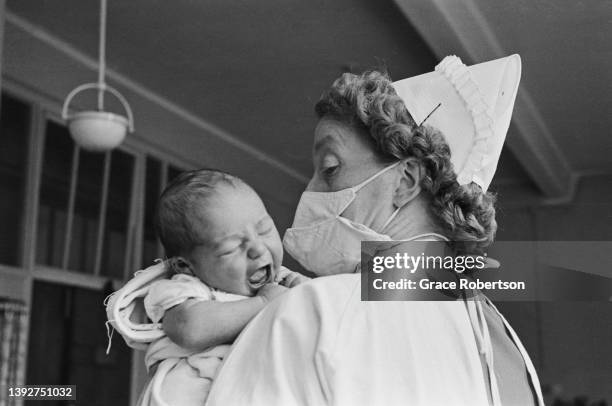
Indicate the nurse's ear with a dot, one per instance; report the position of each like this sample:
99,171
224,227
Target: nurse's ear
409,183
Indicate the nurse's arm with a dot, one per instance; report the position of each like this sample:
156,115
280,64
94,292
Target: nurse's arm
283,356
198,325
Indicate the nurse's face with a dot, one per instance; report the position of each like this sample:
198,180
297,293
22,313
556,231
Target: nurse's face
344,156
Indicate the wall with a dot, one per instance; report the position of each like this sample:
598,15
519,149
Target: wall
48,66
570,343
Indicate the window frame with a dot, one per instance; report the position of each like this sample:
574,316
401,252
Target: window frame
42,109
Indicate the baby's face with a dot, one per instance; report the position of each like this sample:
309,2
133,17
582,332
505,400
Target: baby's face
243,250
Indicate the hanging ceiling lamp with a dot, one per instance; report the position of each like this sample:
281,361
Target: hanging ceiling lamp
99,130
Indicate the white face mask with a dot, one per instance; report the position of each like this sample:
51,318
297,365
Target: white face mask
321,240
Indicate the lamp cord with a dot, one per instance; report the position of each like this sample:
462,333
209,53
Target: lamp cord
102,55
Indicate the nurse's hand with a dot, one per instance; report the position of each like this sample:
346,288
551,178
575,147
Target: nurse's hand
271,291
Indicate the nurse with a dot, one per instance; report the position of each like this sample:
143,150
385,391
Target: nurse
410,160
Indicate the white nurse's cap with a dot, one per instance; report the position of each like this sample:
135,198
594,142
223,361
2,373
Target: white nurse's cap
475,107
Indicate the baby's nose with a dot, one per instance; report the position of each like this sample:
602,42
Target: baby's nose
256,249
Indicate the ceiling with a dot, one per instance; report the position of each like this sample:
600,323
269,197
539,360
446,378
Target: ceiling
255,69
566,47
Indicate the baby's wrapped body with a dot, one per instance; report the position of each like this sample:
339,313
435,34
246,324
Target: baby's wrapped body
219,238
177,376
181,376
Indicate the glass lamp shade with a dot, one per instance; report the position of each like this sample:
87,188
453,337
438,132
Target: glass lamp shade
97,130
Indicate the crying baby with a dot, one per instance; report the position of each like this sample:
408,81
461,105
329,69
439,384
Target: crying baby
224,265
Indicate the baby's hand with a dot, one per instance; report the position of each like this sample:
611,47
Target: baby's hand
270,291
289,278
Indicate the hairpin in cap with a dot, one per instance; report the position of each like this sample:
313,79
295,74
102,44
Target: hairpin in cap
429,115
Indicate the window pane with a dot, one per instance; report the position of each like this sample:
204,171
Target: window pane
117,214
86,212
14,128
54,192
152,192
54,199
67,345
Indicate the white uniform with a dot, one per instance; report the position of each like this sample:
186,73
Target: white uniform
321,345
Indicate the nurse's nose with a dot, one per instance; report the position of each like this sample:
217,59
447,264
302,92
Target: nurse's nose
312,185
256,248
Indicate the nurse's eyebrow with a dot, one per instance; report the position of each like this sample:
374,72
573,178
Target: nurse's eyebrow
328,139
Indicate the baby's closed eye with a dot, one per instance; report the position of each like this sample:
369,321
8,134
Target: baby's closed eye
229,247
265,226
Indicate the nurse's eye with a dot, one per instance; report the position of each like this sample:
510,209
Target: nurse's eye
330,171
329,165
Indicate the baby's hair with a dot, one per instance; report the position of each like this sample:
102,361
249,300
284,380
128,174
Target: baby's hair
178,219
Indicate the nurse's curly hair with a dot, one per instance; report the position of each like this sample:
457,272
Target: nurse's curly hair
463,213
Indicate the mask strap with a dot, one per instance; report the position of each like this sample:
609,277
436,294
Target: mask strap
371,178
440,236
390,219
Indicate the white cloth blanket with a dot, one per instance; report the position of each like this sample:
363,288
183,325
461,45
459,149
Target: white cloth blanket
124,308
180,377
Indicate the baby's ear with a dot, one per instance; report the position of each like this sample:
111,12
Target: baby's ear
180,265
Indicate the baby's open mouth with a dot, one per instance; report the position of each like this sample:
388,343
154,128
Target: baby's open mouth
261,276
